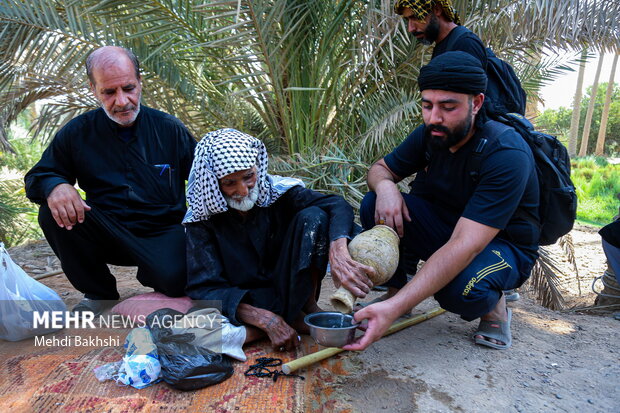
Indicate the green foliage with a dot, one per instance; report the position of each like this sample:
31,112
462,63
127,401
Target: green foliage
304,74
26,153
18,218
597,182
612,135
332,172
17,214
557,121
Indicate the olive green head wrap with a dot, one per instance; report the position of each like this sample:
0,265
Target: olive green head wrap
421,8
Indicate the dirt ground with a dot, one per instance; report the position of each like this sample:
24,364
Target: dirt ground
560,361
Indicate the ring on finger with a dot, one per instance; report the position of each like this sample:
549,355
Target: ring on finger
381,221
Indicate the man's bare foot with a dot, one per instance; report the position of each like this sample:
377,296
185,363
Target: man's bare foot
499,313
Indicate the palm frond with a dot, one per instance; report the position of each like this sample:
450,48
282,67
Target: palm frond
545,282
17,214
558,25
566,243
388,117
331,172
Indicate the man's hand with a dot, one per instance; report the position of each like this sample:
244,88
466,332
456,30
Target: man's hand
380,317
347,272
67,206
390,207
283,337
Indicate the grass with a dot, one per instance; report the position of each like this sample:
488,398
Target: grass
597,182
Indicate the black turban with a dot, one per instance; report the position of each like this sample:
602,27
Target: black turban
457,72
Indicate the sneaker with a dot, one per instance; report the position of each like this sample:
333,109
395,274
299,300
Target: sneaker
511,295
87,305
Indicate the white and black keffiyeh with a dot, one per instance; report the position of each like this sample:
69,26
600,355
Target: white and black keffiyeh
222,153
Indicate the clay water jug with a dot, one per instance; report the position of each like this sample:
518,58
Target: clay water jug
377,248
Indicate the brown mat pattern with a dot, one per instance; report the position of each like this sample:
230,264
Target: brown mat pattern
60,379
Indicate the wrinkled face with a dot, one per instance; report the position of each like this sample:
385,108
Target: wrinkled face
425,31
118,91
448,116
239,189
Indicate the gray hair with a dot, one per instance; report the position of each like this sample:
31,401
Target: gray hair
104,54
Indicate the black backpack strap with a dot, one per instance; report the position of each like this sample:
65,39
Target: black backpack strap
454,35
490,128
475,159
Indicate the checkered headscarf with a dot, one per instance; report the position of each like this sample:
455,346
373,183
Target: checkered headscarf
222,153
421,8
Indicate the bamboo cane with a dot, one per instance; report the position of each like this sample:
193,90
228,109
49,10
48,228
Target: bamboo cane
310,359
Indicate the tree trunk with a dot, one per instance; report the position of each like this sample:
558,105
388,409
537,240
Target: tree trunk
600,141
574,123
585,137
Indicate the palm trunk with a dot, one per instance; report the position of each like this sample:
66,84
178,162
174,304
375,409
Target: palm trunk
574,123
585,137
600,141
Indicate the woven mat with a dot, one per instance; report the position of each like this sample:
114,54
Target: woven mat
61,379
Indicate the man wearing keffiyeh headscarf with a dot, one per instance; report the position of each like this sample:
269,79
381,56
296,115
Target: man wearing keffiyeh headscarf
435,21
260,243
476,229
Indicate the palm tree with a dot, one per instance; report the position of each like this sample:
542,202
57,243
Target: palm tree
574,124
600,141
304,74
585,137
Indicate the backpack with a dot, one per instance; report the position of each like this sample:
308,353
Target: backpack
504,93
558,199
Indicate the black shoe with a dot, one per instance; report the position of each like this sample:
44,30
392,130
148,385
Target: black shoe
87,305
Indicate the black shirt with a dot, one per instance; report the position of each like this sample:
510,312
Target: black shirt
228,255
140,180
468,42
507,181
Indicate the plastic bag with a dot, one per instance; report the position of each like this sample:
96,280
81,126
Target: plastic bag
107,371
140,367
217,335
185,366
20,298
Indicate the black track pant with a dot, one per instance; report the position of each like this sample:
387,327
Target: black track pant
85,250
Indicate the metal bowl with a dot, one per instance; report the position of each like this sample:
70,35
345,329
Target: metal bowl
331,328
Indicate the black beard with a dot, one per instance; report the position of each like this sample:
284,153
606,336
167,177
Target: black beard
431,33
452,137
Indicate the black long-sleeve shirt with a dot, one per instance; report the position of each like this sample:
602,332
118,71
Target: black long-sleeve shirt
138,178
230,255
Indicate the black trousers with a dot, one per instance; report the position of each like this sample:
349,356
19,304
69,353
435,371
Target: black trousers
476,290
305,248
85,251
